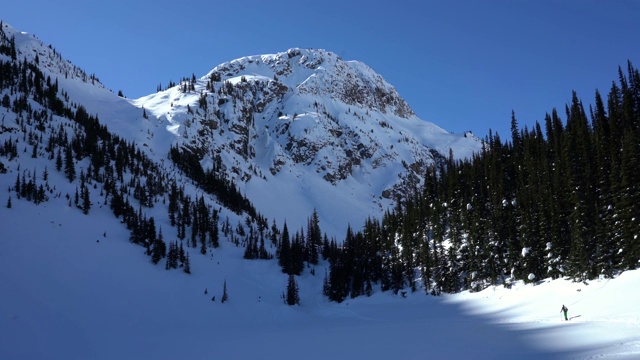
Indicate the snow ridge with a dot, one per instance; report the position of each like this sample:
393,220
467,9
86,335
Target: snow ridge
31,49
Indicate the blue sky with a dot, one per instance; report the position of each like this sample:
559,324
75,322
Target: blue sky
463,65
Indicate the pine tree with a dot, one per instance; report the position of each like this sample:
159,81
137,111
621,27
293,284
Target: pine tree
293,297
314,238
326,286
76,198
284,251
173,256
605,254
214,233
86,201
628,203
158,249
225,296
203,247
578,156
69,167
59,160
298,251
187,265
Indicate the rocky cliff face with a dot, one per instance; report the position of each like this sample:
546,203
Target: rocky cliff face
299,116
298,108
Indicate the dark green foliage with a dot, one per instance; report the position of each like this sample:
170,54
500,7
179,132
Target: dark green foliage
27,187
558,202
9,149
284,251
187,265
158,249
86,201
292,297
69,167
225,295
7,45
189,162
314,238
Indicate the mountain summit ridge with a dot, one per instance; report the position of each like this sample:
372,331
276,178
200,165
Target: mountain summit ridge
310,120
307,69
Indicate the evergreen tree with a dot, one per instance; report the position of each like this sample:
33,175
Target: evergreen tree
187,265
225,296
158,249
314,238
69,167
173,256
605,254
86,201
578,155
326,286
59,160
284,251
338,287
293,297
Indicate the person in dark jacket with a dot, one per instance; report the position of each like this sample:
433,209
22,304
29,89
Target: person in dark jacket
564,310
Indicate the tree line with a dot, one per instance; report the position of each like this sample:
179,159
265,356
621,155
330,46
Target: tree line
558,200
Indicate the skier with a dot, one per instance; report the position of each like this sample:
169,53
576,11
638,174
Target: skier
564,310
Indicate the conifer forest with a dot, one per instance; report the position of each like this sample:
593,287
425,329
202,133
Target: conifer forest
558,200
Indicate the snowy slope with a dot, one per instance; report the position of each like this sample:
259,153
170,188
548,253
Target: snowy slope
604,319
49,61
118,114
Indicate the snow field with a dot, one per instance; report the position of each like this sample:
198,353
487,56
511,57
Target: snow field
68,295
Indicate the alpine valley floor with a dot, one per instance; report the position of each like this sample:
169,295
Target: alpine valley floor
70,292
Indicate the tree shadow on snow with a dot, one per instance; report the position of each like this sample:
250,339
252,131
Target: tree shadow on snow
416,327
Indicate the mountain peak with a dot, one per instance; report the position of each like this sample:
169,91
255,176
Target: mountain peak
303,124
319,72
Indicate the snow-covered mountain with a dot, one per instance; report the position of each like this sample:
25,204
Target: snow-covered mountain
306,126
75,287
294,131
